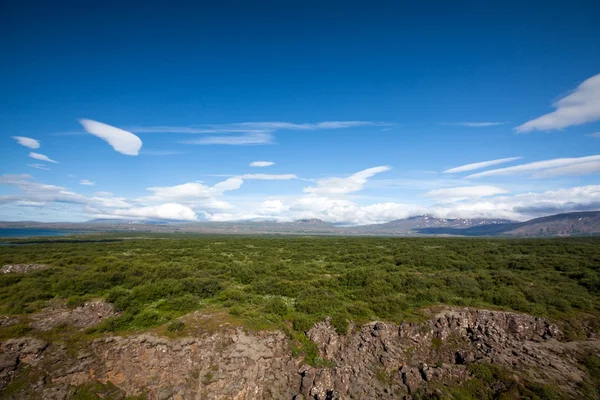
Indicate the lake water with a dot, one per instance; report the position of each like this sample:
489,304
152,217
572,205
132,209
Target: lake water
32,232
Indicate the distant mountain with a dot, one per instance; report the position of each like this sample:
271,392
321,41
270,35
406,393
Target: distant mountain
577,223
413,224
312,221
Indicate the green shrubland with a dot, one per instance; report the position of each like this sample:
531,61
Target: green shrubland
296,281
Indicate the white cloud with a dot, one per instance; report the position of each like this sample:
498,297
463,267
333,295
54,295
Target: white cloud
581,106
466,192
172,211
261,163
41,157
122,141
338,210
479,165
536,166
27,203
256,127
269,177
247,139
596,135
87,183
110,202
585,168
193,191
233,183
196,129
308,126
353,183
27,142
474,124
39,166
160,152
38,192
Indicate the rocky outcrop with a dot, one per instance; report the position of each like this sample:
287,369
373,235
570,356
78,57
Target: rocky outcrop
376,361
22,268
383,360
89,314
26,350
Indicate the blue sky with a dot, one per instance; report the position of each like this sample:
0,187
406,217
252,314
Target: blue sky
360,106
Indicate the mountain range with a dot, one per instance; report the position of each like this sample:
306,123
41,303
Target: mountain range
569,224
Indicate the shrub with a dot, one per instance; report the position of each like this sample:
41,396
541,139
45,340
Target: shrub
276,306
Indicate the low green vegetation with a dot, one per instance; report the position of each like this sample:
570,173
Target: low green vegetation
490,382
293,282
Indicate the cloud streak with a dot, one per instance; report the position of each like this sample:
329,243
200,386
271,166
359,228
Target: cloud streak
241,140
480,165
580,107
41,157
39,166
256,127
121,141
27,142
269,177
261,164
466,192
529,168
474,124
87,182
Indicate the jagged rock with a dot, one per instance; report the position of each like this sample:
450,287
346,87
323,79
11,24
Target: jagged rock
465,356
411,379
26,350
376,361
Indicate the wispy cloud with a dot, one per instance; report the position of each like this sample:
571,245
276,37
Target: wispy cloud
122,141
261,163
581,106
27,142
247,139
227,128
353,183
466,192
39,166
160,152
255,127
41,157
269,177
534,167
584,168
309,126
595,135
480,165
87,183
474,124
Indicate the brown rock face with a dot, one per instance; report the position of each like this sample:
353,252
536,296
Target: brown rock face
375,361
223,365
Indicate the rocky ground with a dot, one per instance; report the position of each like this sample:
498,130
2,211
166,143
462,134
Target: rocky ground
374,361
22,268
